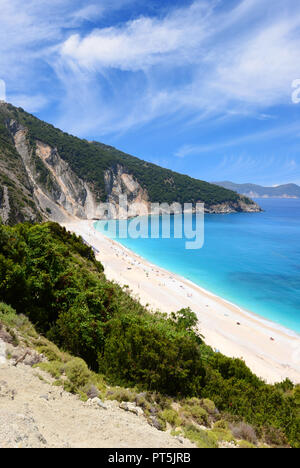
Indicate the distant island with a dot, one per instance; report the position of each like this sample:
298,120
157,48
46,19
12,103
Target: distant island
258,191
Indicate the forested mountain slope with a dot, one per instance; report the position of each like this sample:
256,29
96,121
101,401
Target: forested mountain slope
48,174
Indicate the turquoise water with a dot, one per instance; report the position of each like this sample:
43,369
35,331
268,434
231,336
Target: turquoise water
252,260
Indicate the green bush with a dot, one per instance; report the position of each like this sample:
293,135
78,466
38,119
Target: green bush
221,424
121,394
244,444
208,405
54,368
222,435
199,414
49,352
9,317
202,438
151,351
171,416
78,373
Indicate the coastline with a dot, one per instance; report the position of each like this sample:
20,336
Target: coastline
271,351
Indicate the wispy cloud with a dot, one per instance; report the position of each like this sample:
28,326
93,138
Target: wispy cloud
142,43
274,133
205,59
29,36
222,66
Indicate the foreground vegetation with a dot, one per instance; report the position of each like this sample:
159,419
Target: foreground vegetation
52,278
194,418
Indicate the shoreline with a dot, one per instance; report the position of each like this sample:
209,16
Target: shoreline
266,322
270,350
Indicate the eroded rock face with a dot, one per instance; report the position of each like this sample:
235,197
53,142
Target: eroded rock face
117,183
58,192
61,195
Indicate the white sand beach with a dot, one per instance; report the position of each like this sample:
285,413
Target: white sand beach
271,352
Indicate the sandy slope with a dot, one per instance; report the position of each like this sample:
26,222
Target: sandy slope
271,352
35,414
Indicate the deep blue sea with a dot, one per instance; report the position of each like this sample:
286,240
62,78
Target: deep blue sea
252,260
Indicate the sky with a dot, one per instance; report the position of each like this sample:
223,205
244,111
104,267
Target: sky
209,88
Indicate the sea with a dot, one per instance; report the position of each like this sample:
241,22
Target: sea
249,259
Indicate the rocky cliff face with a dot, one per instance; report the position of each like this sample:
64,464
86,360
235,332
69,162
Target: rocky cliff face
119,183
58,193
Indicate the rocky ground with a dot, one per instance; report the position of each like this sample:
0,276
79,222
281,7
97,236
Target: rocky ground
36,414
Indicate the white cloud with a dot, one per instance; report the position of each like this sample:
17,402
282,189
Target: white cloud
141,43
29,34
199,61
232,61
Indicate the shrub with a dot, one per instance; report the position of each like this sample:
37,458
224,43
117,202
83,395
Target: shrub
222,435
142,402
197,413
91,391
121,394
274,436
244,431
51,352
208,405
221,424
171,416
244,444
193,401
8,335
9,317
54,368
160,400
78,373
158,423
203,439
154,353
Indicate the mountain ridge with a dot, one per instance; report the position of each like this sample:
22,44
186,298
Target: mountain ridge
256,191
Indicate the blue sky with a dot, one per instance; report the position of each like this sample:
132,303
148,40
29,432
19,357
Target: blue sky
203,87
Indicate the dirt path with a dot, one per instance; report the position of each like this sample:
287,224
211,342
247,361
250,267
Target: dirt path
33,413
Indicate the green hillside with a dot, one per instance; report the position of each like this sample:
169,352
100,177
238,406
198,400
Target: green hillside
90,160
54,279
